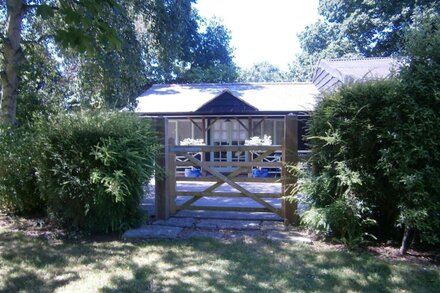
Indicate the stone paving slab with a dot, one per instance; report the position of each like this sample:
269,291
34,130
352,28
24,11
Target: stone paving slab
177,222
153,232
267,216
228,224
185,228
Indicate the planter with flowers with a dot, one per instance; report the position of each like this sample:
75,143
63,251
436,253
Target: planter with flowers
257,141
193,171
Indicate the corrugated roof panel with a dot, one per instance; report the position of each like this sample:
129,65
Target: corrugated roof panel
351,70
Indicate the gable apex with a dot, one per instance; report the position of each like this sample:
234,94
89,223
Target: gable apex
226,102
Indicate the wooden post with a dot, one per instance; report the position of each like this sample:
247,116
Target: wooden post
248,153
205,139
290,157
161,189
171,176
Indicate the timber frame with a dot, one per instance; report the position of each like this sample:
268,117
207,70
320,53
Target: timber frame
166,185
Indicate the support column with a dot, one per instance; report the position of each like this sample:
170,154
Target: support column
162,202
290,158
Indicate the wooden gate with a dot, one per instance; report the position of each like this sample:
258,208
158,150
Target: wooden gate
166,191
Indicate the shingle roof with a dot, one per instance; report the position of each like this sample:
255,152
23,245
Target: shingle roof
332,73
184,98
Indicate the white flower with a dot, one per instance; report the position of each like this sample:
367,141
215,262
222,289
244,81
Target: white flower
191,141
256,140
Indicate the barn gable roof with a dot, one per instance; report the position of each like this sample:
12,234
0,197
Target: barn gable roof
332,73
226,102
161,99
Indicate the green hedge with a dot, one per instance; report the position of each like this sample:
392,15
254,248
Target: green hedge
89,169
19,191
375,151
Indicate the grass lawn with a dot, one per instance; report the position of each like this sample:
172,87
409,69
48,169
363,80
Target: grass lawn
30,264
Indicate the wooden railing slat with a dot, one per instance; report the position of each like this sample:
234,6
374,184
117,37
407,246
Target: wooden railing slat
231,183
226,194
224,209
233,164
236,179
230,148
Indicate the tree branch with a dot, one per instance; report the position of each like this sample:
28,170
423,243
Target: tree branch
37,41
28,7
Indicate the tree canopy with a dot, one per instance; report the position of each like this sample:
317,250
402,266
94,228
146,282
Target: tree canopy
104,53
263,72
356,28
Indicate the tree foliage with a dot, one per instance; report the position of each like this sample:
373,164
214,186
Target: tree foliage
357,28
263,72
104,53
376,149
77,22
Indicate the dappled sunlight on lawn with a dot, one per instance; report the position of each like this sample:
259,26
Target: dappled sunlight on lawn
31,264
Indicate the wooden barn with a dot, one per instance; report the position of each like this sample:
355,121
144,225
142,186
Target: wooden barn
229,114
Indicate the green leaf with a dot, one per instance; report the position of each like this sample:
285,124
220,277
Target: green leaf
45,11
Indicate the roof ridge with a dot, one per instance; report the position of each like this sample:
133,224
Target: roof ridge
235,83
357,58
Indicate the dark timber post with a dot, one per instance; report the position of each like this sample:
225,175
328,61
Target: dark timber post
162,202
171,176
290,158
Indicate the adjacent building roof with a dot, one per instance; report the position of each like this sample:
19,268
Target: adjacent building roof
332,73
170,99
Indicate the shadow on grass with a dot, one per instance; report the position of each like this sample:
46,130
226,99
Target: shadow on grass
211,266
202,266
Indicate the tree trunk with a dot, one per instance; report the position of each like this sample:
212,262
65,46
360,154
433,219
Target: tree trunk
12,56
406,240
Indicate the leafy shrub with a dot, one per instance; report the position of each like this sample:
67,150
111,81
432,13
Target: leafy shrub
93,167
387,133
19,191
375,155
86,171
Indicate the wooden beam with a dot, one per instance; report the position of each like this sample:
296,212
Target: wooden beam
231,183
226,194
241,123
189,202
195,123
161,186
225,209
261,121
248,154
234,164
237,172
212,123
236,179
224,148
290,157
171,177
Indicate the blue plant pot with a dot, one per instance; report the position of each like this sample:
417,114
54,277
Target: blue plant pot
263,173
192,173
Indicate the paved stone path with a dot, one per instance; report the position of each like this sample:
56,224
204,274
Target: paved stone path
184,228
212,224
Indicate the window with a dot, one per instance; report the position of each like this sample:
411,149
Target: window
184,130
